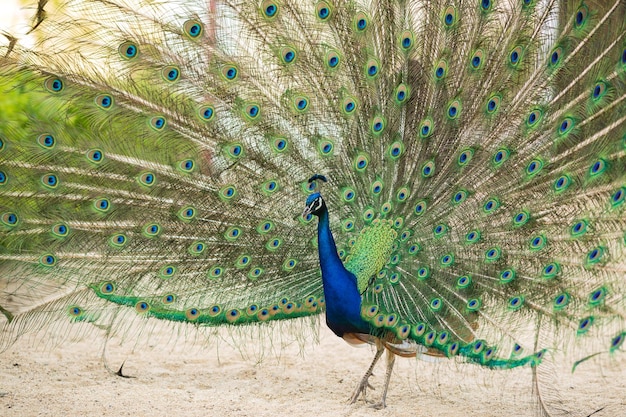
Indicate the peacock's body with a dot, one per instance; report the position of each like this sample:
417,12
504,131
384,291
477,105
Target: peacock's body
475,153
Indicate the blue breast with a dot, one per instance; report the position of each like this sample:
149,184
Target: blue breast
343,301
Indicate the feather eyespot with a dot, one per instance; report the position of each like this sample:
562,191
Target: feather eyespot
459,197
617,341
395,150
447,260
465,157
454,110
596,297
423,273
157,122
75,311
242,261
538,243
515,56
440,230
193,28
252,112
493,254
48,260
118,240
269,9
551,270
595,255
515,303
618,197
464,282
361,162
566,125
54,84
449,16
402,94
360,22
428,169
584,325
107,288
426,128
230,72
372,68
323,11
333,59
441,70
402,194
128,50
493,105
273,244
579,228
46,141
472,236
60,230
491,205
192,314
599,90
419,330
197,248
501,156
477,60
534,118
507,276
406,40
104,101
561,301
167,271
420,207
50,181
206,113
562,183
555,57
170,73
300,104
581,16
598,168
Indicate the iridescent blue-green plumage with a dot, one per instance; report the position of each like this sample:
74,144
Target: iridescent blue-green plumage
475,152
343,308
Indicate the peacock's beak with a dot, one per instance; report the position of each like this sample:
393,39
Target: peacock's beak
307,211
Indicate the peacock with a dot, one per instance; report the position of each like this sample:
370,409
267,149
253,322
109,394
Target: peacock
443,179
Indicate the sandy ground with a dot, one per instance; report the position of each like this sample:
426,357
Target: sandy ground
189,378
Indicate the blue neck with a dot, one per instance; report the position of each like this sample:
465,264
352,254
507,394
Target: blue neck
343,301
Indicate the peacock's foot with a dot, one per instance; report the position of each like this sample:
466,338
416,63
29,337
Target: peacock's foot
379,405
361,388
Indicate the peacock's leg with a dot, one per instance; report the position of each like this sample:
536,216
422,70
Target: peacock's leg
391,359
364,384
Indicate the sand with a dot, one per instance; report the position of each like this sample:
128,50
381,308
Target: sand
188,378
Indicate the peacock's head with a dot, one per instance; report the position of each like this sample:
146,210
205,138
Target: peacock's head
314,205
